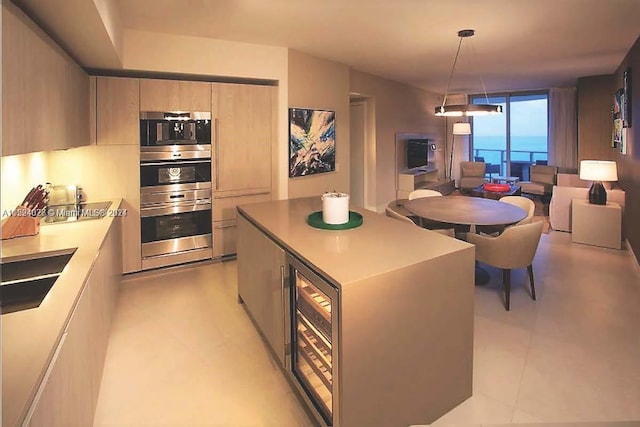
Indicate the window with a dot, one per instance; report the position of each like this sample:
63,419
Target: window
516,139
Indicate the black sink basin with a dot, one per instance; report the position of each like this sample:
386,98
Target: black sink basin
27,280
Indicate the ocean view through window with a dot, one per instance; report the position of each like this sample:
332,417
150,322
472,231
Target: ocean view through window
516,139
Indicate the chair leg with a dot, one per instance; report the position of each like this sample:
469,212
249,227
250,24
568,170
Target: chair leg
506,282
533,287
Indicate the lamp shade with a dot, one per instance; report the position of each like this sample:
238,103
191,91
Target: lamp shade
598,170
462,128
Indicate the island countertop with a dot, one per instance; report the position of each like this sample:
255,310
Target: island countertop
30,337
379,245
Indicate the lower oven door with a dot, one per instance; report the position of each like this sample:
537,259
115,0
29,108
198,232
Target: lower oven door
171,228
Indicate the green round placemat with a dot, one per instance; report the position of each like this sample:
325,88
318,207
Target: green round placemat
315,220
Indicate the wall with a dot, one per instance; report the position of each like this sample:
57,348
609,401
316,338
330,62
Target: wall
399,108
595,97
320,84
20,173
629,164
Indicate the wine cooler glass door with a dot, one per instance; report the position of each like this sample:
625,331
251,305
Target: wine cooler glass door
314,338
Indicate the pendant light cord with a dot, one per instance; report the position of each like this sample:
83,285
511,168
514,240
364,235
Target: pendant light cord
455,61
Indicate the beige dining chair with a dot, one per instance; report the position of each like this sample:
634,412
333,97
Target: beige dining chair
523,203
395,215
423,192
514,248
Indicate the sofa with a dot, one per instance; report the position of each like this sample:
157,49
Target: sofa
569,187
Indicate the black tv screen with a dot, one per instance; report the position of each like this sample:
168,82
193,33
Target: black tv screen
417,153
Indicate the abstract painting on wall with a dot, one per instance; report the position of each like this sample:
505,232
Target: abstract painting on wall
312,141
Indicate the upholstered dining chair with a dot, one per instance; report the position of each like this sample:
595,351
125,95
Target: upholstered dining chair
393,214
523,203
423,192
514,248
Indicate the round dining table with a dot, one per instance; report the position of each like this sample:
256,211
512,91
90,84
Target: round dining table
463,210
466,211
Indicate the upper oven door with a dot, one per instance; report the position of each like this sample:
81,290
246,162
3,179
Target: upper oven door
174,128
175,175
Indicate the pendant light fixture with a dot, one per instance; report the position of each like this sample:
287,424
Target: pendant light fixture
466,109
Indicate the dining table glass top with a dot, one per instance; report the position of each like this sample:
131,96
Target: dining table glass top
465,210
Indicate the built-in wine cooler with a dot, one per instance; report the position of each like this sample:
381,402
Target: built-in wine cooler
314,320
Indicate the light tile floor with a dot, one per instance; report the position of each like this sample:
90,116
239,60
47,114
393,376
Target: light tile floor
183,352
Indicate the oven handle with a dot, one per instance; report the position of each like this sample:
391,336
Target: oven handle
174,208
191,162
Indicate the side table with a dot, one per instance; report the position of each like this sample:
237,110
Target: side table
599,225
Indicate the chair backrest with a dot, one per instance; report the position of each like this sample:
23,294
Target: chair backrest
478,159
422,192
522,202
472,169
544,173
395,215
514,248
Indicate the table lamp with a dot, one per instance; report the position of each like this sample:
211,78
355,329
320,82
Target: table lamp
598,171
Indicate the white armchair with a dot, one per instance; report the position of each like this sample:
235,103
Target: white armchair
514,248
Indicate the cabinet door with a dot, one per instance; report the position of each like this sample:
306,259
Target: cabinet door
45,94
261,283
69,391
118,111
242,154
174,95
224,238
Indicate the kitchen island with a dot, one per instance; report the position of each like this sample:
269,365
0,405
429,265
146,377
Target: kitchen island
402,342
52,355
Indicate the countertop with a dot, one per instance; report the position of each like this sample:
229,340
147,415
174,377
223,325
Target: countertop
381,244
30,337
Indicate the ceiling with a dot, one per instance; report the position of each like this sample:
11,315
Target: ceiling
519,44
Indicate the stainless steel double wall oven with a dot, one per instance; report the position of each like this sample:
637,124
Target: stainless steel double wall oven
175,187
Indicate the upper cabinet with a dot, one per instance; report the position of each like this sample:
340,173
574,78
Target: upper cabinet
244,133
118,111
174,95
45,94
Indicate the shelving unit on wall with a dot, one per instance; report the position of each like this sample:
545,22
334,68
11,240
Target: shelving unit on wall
427,177
417,178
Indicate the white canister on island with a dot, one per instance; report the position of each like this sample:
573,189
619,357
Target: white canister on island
335,208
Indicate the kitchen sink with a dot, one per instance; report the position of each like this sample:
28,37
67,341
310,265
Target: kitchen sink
26,280
80,212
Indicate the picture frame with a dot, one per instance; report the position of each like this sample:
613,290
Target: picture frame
312,141
625,102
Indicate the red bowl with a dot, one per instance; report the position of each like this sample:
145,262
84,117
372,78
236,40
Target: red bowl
498,188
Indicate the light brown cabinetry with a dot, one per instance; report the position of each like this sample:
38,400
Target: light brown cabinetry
174,95
244,132
45,94
261,283
117,111
225,217
69,391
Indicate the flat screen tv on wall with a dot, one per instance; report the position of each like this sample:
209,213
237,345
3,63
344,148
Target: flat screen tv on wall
417,153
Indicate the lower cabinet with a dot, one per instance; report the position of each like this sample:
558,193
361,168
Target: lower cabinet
261,283
225,215
68,393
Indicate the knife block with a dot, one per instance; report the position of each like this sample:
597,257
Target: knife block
19,224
